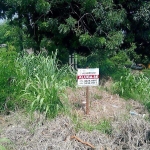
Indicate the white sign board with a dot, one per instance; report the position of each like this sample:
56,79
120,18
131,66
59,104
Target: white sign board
88,77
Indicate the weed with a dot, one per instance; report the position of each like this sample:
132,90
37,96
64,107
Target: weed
43,94
3,140
103,126
33,82
97,96
45,84
134,86
76,121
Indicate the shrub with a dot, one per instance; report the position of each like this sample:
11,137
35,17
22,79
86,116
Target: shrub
8,76
108,66
119,59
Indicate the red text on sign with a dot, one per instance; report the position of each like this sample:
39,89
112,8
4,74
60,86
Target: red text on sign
88,76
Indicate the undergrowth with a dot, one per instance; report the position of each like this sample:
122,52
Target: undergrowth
45,83
134,86
8,77
33,82
104,125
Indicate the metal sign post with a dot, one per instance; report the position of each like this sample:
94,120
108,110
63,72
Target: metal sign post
88,77
73,61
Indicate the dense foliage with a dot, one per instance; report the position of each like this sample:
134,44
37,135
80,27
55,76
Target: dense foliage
9,35
100,26
7,74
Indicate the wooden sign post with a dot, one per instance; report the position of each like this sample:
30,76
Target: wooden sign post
87,101
86,78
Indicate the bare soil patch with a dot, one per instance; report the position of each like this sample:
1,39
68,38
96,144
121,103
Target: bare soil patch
103,105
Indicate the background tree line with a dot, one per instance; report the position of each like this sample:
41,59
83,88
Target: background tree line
101,28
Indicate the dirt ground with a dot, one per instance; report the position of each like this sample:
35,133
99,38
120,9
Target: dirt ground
130,125
103,104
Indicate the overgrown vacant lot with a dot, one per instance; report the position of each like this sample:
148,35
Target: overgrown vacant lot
42,109
111,125
41,50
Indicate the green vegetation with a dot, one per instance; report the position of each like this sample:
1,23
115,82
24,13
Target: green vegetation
33,82
104,125
3,140
105,34
134,86
45,83
8,76
102,27
113,66
147,73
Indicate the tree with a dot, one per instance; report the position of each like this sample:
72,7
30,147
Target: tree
85,26
136,28
9,36
73,25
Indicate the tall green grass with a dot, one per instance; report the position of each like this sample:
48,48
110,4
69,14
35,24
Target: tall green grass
147,72
45,83
33,82
134,86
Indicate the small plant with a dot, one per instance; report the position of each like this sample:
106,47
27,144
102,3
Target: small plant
103,126
97,96
3,140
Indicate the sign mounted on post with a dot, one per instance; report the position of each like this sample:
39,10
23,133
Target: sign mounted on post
88,77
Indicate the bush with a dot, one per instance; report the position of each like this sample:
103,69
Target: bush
120,59
8,77
113,66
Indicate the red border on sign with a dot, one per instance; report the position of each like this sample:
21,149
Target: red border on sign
88,77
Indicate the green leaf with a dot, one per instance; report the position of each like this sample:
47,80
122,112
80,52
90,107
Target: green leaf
43,7
64,29
71,22
41,102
